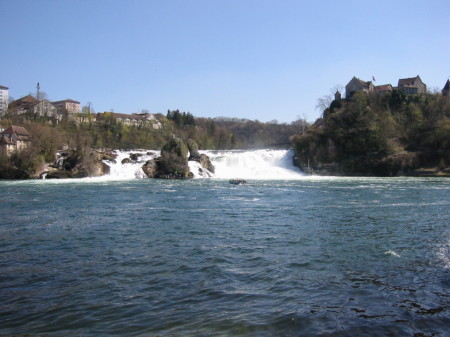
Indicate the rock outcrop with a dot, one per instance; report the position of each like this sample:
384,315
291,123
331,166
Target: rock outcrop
172,164
203,159
205,162
193,150
75,164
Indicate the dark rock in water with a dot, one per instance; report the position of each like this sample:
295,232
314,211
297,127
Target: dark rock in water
126,161
135,156
105,169
176,147
108,155
238,181
58,175
72,160
194,155
81,164
205,162
172,164
150,168
193,150
95,165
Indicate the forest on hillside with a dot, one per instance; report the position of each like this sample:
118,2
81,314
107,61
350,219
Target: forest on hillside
48,137
378,134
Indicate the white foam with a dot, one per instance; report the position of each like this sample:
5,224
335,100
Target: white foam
132,170
443,253
258,164
391,252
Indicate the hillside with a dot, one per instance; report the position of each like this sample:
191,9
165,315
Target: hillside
87,142
379,135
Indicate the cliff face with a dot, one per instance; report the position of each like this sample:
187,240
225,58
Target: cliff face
69,164
74,164
374,135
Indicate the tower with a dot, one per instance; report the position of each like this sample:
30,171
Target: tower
38,93
337,96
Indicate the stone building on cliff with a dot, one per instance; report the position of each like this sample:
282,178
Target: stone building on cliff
412,86
409,86
357,84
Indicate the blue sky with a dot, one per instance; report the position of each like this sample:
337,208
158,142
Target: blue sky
254,59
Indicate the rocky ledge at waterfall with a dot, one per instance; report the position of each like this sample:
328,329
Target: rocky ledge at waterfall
75,164
174,162
171,163
202,159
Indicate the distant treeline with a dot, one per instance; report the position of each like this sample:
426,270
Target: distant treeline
233,133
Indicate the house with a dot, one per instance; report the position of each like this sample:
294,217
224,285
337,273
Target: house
356,84
149,118
136,119
68,105
45,108
38,108
446,90
4,98
12,139
383,89
412,86
23,105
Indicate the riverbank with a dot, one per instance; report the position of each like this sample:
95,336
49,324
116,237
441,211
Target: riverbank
409,164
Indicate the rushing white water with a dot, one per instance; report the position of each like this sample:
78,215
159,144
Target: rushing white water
131,169
257,164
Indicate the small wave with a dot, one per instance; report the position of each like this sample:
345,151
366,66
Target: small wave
443,254
391,252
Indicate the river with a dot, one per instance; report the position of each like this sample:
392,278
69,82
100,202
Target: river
304,256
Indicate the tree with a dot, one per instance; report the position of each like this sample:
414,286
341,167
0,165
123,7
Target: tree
86,113
188,119
300,124
325,101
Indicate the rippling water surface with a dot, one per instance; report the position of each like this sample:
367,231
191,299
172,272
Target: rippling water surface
314,257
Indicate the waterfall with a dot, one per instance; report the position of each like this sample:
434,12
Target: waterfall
128,164
257,164
250,165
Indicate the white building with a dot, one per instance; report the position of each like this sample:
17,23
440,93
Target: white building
4,98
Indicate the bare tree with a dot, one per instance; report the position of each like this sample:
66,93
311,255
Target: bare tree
337,87
301,124
325,101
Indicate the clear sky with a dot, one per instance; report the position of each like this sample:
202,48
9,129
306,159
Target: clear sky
254,59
